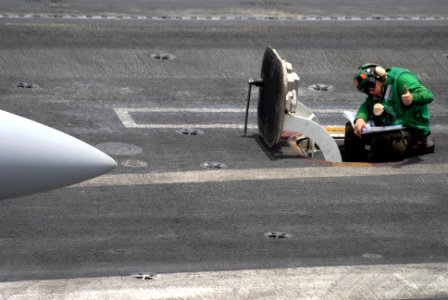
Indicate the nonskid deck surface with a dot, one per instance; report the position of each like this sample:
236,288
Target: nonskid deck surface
195,207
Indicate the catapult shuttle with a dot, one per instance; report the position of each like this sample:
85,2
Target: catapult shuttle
35,158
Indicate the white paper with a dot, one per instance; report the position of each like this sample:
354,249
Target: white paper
350,116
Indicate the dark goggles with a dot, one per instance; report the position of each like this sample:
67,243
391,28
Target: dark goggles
369,84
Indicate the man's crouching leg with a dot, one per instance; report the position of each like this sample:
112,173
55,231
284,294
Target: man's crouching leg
354,146
419,144
389,146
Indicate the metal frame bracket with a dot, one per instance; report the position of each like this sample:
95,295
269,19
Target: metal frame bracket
251,82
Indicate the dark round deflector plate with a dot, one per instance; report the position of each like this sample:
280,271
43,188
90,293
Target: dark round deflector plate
272,97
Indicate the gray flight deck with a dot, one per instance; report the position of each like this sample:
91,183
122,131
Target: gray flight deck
210,213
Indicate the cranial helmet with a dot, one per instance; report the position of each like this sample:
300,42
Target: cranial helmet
367,75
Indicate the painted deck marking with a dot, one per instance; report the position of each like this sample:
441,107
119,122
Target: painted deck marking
396,281
221,18
124,114
262,174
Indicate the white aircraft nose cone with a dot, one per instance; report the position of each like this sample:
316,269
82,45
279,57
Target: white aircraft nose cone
36,158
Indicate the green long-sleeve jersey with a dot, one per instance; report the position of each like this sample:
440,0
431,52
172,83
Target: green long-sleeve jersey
415,115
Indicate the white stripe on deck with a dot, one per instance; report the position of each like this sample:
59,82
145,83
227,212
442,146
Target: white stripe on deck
128,122
124,115
228,175
394,281
220,18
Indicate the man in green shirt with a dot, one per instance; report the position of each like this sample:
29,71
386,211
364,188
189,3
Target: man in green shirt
394,97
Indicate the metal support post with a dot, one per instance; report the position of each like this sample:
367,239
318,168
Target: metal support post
251,82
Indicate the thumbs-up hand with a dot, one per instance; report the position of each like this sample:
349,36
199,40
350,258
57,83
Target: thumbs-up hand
407,98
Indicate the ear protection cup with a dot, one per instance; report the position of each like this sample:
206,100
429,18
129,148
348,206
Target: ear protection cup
381,72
